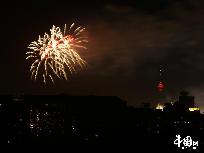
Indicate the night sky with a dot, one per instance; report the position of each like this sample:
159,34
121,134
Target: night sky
129,41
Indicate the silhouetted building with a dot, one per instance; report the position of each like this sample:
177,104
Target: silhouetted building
95,121
186,100
184,103
146,105
168,107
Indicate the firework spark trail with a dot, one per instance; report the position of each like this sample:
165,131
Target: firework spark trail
56,53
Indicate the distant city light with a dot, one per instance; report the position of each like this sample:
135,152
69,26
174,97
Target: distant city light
44,123
96,135
31,126
73,128
160,106
194,109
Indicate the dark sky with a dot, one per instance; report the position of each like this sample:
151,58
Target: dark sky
129,41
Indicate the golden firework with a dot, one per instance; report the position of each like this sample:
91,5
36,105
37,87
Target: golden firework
57,52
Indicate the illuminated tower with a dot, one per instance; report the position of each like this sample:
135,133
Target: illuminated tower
160,85
161,91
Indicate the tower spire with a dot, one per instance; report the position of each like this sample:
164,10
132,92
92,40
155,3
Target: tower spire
160,85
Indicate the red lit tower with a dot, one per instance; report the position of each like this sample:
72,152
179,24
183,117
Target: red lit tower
160,85
161,91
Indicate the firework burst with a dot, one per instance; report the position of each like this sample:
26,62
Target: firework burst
57,53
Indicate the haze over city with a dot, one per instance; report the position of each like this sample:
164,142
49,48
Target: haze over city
129,42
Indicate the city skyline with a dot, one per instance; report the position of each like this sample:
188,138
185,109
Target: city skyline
101,122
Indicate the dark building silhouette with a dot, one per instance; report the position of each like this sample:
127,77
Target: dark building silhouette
146,105
104,122
168,107
184,103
